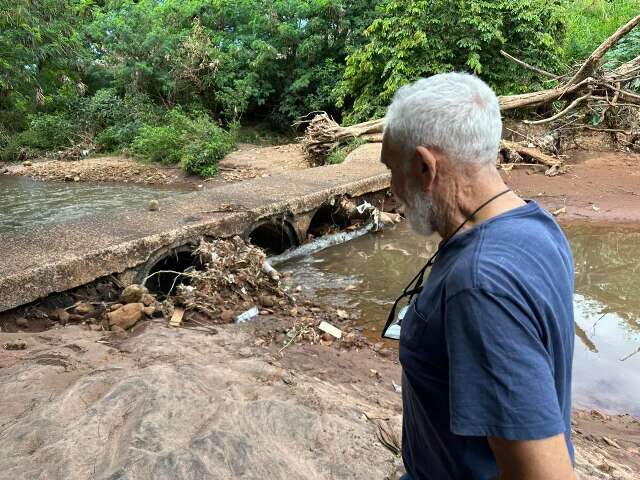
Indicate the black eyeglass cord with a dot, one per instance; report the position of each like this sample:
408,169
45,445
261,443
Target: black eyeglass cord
410,290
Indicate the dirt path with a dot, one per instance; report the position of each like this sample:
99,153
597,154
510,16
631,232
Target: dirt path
176,403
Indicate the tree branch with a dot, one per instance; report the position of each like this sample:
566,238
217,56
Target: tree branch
526,65
589,67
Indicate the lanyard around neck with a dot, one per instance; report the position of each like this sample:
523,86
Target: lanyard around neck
410,290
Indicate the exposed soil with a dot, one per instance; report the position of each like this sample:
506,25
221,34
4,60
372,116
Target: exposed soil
178,403
601,187
249,161
103,169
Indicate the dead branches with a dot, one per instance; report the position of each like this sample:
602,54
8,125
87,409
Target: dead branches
588,88
323,135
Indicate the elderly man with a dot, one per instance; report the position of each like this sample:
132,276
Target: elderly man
486,345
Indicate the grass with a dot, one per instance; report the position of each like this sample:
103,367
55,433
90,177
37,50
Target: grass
341,153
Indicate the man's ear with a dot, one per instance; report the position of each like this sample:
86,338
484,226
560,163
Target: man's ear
428,167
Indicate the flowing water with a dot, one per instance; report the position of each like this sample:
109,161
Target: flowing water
26,202
365,275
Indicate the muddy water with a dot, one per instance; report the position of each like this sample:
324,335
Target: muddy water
365,275
25,202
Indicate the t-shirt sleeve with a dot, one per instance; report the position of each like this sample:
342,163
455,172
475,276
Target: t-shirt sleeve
501,375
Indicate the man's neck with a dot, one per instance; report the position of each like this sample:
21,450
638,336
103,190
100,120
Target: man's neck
471,194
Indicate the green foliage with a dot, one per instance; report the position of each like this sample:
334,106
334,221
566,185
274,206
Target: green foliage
274,59
590,22
340,154
158,144
127,71
194,141
41,49
416,38
46,132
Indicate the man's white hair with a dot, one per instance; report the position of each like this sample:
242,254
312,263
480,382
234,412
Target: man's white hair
455,112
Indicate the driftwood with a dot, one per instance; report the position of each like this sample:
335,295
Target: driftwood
588,85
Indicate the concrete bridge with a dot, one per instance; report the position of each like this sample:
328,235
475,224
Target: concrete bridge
274,212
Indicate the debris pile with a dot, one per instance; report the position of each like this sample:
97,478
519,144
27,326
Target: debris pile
236,281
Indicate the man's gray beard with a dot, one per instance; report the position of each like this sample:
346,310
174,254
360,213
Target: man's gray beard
420,212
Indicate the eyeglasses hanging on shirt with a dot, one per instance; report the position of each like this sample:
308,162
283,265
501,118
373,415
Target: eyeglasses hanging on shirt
393,326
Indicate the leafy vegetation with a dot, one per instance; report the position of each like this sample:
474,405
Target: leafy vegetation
194,141
339,155
172,80
589,22
417,38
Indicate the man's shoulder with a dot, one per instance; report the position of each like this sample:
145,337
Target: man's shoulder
511,250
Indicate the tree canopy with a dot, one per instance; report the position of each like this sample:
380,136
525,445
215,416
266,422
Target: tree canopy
108,69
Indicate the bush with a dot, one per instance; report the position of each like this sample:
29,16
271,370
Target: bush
159,144
202,157
46,132
194,141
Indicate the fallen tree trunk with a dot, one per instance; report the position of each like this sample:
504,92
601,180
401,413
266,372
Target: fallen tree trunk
587,86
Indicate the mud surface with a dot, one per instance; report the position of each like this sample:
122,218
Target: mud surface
600,187
177,403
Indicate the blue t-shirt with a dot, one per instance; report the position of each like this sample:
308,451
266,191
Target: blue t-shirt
487,346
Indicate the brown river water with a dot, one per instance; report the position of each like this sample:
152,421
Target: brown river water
26,203
365,275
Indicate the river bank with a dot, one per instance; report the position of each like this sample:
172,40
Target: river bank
178,403
247,162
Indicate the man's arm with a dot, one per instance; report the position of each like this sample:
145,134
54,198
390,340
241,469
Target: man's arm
546,459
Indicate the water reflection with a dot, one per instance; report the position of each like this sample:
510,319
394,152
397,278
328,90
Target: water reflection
26,202
367,274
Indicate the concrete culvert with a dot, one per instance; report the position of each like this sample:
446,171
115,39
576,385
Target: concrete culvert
328,218
274,237
178,260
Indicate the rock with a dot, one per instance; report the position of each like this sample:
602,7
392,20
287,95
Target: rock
149,311
154,205
119,331
76,179
378,346
127,316
327,337
294,312
84,308
27,163
22,323
266,301
74,317
343,315
148,299
68,178
115,306
61,315
4,170
227,316
385,352
349,340
133,293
